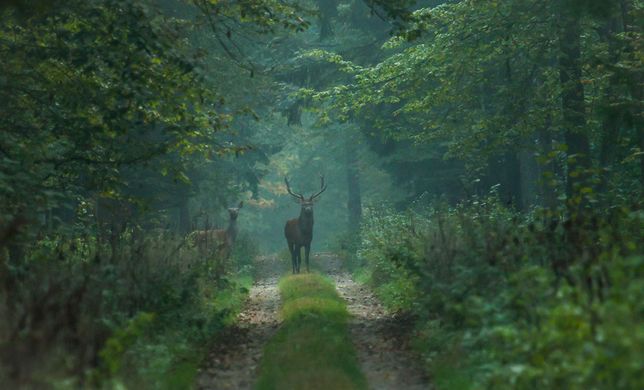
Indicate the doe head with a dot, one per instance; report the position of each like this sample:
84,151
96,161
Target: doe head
234,211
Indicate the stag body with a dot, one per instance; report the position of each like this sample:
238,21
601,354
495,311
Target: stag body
223,239
299,231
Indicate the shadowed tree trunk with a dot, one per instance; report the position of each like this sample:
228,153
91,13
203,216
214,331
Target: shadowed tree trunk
354,203
327,10
512,179
629,26
612,116
184,217
529,178
505,172
572,98
549,171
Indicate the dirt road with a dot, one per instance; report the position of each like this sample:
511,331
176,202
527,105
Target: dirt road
380,338
233,361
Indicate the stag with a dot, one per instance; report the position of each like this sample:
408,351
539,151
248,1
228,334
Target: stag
222,238
299,231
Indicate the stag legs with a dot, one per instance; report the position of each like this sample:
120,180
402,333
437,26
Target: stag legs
296,257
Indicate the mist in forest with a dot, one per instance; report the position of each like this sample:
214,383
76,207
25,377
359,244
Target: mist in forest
480,165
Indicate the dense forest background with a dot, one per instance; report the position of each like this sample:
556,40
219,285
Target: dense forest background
484,162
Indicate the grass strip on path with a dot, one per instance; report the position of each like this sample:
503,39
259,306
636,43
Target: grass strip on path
312,349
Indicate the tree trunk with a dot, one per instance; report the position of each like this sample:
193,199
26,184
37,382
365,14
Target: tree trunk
549,171
505,173
640,133
327,10
612,117
354,203
184,217
572,100
513,180
294,115
637,81
529,171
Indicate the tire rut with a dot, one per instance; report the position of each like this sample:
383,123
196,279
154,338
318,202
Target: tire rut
233,360
381,339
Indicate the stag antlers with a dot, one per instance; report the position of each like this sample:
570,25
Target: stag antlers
288,188
301,197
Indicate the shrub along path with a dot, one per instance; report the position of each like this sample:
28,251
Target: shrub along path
379,338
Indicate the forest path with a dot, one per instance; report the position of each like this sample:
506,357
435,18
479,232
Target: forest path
380,338
233,361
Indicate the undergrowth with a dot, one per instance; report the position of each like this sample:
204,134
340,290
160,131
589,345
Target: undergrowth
509,300
138,317
312,349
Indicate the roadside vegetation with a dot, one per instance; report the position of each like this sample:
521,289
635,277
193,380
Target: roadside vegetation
144,318
502,299
312,349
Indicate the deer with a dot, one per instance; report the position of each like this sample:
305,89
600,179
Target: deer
299,231
224,239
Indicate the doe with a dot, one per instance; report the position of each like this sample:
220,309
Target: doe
222,239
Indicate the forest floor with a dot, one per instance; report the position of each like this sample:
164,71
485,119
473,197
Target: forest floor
381,339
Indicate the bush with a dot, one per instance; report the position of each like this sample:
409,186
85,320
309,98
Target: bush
75,314
505,300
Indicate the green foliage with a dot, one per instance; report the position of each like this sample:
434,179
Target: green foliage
487,83
112,120
504,300
264,15
243,253
578,345
112,354
384,243
145,317
90,87
312,349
